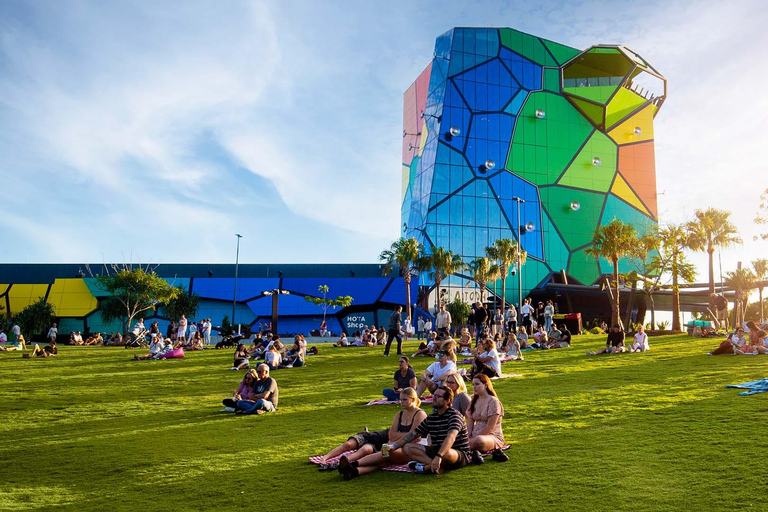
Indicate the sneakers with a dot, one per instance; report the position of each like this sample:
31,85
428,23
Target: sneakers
477,457
418,467
233,368
414,354
499,456
590,353
348,470
327,467
228,409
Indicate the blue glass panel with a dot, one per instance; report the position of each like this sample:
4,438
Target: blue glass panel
442,213
431,231
456,210
530,211
357,321
468,204
494,127
487,87
517,103
223,287
292,325
468,241
454,239
527,73
396,291
441,180
460,174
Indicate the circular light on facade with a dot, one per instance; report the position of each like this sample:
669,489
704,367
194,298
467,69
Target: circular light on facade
530,227
596,162
410,147
404,133
490,164
575,206
454,131
540,114
422,114
637,131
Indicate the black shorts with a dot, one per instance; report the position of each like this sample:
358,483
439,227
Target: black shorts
527,321
462,461
377,439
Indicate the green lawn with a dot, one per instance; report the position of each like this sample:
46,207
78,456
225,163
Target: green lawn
93,430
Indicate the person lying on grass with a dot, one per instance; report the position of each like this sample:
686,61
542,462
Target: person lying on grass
641,340
156,348
405,377
487,360
614,344
46,351
484,421
449,441
404,422
433,376
19,344
736,340
264,396
241,358
243,392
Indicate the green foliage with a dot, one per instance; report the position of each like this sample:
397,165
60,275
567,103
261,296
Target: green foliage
596,330
742,280
36,318
342,301
483,270
184,303
459,311
442,263
761,272
711,229
408,256
226,327
663,325
762,215
506,252
135,289
84,419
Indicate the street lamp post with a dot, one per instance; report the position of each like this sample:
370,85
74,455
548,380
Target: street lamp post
237,264
519,264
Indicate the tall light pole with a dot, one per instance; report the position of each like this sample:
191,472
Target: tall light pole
237,264
519,251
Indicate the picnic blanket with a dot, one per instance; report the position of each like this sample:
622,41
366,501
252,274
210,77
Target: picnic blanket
754,387
318,459
503,360
426,399
403,468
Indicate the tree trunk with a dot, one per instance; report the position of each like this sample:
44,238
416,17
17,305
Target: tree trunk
711,252
437,293
761,304
504,292
675,296
615,315
407,281
630,303
653,311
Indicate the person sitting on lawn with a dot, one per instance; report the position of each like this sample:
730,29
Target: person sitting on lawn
46,351
361,444
18,344
559,338
428,348
294,358
434,375
404,422
487,360
241,358
465,342
94,339
540,337
155,349
405,377
448,437
381,336
264,396
272,357
512,347
243,392
736,340
756,343
484,420
641,340
75,338
461,399
342,341
614,344
522,337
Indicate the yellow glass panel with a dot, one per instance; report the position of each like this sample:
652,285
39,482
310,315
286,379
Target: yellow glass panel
22,295
423,138
624,133
621,190
71,298
623,103
406,177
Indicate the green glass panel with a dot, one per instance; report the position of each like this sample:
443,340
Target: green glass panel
604,50
576,227
583,267
593,112
583,173
596,93
526,45
534,272
542,148
616,208
552,79
555,250
561,52
624,103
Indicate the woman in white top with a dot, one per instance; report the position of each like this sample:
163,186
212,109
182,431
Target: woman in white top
155,349
272,358
342,341
181,334
513,347
487,362
641,340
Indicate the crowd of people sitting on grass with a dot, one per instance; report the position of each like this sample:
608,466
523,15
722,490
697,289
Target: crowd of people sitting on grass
750,341
276,355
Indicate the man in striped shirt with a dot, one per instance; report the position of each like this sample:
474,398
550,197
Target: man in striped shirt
450,441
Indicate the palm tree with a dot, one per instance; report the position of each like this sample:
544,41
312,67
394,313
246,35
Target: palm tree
406,255
483,270
712,229
443,264
741,280
612,242
674,239
505,251
761,271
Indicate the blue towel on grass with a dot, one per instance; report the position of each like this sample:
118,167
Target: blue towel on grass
754,387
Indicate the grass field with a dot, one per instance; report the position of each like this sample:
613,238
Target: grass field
93,430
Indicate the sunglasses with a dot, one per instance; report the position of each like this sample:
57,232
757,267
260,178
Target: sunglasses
438,396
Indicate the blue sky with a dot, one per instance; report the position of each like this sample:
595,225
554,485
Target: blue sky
155,131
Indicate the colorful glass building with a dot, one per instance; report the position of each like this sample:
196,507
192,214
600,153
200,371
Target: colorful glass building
508,135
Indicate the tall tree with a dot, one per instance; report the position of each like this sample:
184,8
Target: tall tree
342,301
407,255
505,252
35,318
612,242
184,303
442,264
712,229
483,270
761,272
674,241
132,292
741,280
